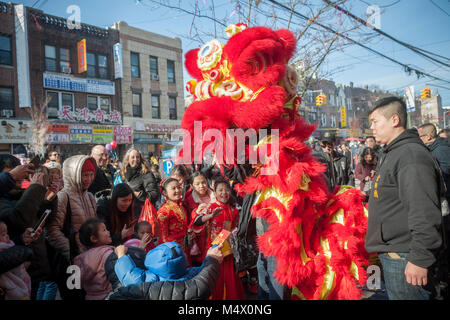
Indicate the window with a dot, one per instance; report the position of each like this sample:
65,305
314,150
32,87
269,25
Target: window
135,72
97,66
154,68
6,102
92,103
95,102
64,59
171,71
102,67
50,58
172,108
67,100
137,108
323,120
5,50
91,65
57,101
53,105
155,107
333,121
105,104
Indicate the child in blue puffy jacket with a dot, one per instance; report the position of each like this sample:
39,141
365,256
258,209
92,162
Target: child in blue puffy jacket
166,262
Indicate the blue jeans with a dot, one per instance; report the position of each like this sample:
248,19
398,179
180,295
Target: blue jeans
47,290
395,280
268,287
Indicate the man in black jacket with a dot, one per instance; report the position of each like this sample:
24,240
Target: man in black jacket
439,149
339,171
104,173
404,208
199,287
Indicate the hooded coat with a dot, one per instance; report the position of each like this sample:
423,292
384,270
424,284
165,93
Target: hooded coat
81,202
404,205
167,262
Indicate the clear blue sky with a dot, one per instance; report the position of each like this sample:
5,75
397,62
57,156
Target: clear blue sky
417,22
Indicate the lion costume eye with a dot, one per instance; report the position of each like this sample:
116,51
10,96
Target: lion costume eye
209,55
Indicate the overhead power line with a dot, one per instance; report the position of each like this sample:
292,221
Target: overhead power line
406,67
362,21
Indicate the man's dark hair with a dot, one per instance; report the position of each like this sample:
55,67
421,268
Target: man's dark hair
390,106
369,137
8,161
429,129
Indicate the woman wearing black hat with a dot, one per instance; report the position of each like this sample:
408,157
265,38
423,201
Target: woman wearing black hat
117,213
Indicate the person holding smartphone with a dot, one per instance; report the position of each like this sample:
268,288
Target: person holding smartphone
117,213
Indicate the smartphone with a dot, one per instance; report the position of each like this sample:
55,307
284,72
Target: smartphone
36,161
41,221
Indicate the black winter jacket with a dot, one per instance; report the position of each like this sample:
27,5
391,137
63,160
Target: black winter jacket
340,173
13,257
136,254
21,214
441,152
101,181
198,288
40,269
404,205
145,184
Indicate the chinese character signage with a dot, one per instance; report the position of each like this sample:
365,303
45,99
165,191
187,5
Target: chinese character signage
102,130
102,138
80,138
87,115
118,69
82,64
58,128
69,83
123,135
84,133
58,138
343,117
15,131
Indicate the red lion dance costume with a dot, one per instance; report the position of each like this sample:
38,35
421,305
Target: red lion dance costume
317,238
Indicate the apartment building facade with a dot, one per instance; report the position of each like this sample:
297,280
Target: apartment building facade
152,86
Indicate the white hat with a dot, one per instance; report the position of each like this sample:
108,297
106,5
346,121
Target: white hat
52,165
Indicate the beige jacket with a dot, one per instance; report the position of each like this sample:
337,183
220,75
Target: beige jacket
82,206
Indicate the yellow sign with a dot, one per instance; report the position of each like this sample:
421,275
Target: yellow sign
354,132
82,60
102,130
343,117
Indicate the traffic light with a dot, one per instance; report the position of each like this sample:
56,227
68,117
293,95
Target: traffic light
425,93
321,100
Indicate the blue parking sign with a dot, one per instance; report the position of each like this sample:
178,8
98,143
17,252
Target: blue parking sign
167,166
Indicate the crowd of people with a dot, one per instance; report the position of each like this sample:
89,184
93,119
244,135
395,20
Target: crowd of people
123,225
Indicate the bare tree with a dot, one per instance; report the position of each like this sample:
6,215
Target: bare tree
306,18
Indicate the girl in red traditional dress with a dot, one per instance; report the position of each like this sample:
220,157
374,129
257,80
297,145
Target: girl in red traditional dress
172,219
197,199
221,215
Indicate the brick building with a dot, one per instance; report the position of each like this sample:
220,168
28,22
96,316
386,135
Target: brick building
13,119
152,86
39,62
